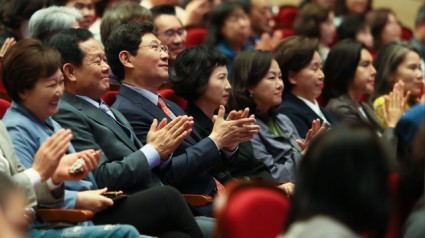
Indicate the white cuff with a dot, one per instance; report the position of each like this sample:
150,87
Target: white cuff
33,176
52,186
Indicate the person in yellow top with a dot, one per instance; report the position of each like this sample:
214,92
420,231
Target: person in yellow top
398,67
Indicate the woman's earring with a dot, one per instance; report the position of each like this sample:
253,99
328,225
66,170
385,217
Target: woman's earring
250,94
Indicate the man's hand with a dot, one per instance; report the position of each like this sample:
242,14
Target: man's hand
48,156
90,158
288,188
166,138
93,200
237,128
6,45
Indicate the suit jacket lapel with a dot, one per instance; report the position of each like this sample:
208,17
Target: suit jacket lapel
371,116
98,116
143,102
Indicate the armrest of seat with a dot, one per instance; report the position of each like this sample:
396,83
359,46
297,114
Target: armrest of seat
198,200
65,215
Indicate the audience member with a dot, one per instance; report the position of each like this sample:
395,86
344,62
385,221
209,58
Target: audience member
303,78
101,6
384,26
170,31
349,77
37,183
141,61
339,163
126,163
316,21
260,15
120,14
257,84
412,163
418,39
397,62
355,27
14,17
86,8
46,22
117,15
229,30
201,78
344,8
36,89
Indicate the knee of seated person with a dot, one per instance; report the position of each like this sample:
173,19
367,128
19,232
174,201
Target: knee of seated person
171,191
122,231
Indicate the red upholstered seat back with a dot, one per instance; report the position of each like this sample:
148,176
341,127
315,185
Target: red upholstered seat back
195,36
109,97
252,212
286,16
4,105
171,95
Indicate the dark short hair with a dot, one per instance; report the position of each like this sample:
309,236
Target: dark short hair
218,17
25,63
248,69
350,26
293,54
342,10
193,68
389,57
309,19
126,37
12,12
67,42
377,19
163,10
340,67
339,163
122,13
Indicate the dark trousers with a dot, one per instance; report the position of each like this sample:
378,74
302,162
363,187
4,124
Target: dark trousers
159,211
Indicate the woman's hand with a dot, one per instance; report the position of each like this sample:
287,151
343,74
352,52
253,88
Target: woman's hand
395,104
315,129
93,200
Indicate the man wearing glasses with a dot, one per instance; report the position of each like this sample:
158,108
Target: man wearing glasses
140,60
170,31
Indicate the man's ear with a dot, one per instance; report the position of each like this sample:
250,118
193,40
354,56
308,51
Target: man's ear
68,70
291,77
126,59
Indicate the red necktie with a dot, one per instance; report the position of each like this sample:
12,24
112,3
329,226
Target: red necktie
163,106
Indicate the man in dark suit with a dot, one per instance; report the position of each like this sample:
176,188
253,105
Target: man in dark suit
140,60
126,163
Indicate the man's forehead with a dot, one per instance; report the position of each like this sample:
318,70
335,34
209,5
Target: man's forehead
167,21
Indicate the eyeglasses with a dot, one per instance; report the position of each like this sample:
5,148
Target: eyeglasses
158,47
171,32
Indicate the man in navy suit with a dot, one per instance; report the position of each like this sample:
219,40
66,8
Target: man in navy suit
140,61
